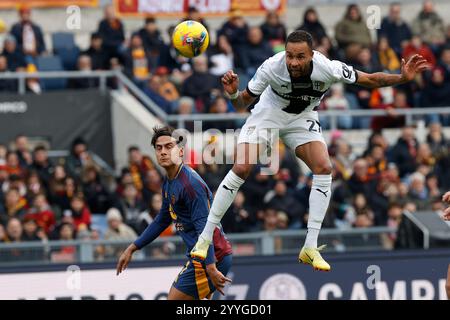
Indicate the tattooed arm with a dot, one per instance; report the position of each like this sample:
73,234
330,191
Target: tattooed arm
415,64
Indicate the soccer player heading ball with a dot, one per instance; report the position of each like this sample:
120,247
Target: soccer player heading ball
290,85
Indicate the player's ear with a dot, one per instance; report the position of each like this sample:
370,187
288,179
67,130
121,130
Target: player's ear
181,152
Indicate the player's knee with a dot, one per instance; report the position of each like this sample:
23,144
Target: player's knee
242,170
323,168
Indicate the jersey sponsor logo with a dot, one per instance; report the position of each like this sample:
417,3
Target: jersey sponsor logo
301,85
179,226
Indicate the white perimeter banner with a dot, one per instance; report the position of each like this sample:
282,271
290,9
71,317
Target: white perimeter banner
133,283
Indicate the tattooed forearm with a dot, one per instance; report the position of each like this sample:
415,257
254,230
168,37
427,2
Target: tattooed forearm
380,79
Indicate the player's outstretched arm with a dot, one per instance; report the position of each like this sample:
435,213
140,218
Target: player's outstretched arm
415,65
240,100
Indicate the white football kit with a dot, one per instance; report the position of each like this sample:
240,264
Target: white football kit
288,104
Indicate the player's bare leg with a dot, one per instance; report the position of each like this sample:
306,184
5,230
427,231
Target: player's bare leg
315,156
175,294
246,157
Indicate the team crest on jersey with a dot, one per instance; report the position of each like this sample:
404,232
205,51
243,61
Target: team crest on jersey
318,85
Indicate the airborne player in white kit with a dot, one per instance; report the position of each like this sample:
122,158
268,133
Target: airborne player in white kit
291,85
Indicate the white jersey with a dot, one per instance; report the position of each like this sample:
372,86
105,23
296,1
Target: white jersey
273,83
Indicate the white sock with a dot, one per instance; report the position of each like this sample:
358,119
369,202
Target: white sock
225,195
319,200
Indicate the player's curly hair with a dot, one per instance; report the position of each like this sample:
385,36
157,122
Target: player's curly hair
300,36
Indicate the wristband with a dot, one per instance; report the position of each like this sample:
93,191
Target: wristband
234,96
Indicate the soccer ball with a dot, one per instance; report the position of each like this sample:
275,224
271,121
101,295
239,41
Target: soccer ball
190,38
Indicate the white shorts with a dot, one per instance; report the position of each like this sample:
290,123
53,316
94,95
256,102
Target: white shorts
263,126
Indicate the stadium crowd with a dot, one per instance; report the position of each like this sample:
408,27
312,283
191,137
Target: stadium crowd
42,199
181,86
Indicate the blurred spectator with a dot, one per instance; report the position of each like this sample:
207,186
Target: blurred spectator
274,31
218,106
366,63
170,58
432,185
221,57
138,165
151,39
22,148
201,84
388,58
195,15
364,216
424,155
167,89
417,191
14,56
255,52
99,57
404,152
96,193
392,119
270,220
34,186
136,62
3,236
117,230
444,62
429,26
42,165
147,216
312,25
112,32
12,164
30,230
236,30
359,181
337,101
78,158
436,92
29,35
131,205
153,90
6,85
79,212
57,182
394,29
280,199
42,214
352,28
436,140
15,206
238,218
69,188
84,64
416,46
327,48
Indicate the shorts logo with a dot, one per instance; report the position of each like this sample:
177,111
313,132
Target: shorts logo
250,130
282,286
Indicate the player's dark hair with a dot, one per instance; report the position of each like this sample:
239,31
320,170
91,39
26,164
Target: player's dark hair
163,131
300,36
